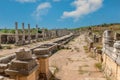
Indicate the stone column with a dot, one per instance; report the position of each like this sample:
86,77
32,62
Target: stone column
23,67
43,33
29,36
16,34
0,41
36,32
23,36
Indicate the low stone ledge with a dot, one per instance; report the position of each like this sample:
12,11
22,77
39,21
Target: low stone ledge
3,67
4,62
7,59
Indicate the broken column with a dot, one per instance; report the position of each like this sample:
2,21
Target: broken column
23,67
23,36
29,36
36,32
107,38
16,34
44,33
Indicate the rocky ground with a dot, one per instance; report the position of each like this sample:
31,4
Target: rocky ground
73,63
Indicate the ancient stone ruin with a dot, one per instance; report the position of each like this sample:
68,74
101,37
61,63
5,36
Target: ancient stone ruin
26,37
32,64
109,56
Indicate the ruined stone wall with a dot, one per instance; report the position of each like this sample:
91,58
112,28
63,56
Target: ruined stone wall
10,38
32,64
111,56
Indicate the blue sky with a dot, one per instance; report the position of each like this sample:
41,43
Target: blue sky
58,13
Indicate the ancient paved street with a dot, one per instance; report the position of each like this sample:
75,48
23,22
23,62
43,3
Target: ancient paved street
74,64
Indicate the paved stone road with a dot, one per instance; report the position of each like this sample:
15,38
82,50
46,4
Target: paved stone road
74,63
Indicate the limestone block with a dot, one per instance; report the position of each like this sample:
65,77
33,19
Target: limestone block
117,44
3,67
23,65
23,55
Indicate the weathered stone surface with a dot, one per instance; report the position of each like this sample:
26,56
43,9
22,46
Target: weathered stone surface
107,33
108,38
23,35
23,55
117,45
45,50
117,36
4,62
3,67
24,64
7,59
111,56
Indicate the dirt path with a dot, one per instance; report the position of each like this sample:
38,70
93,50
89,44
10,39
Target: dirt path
74,63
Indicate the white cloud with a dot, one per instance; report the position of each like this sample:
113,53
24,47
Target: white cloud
83,7
26,1
42,9
56,0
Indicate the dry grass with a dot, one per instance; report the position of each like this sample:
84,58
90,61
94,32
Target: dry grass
91,55
99,66
77,49
81,71
86,49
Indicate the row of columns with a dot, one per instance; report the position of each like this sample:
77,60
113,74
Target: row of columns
23,34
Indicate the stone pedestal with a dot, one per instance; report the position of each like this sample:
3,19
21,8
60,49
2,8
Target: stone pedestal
117,36
32,76
24,67
44,67
43,59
